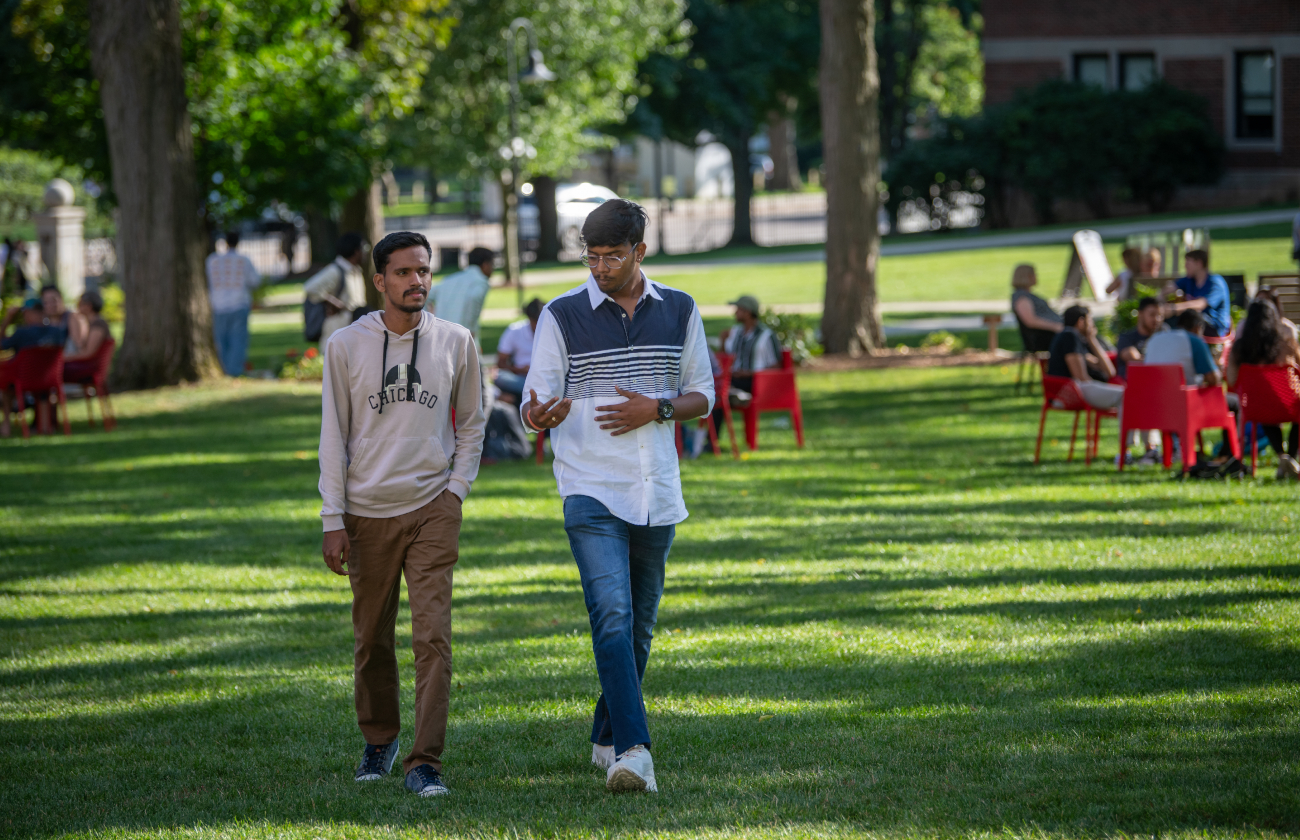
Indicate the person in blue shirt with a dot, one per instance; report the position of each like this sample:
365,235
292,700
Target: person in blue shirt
1206,293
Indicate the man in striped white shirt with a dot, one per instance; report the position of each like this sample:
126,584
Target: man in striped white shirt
615,362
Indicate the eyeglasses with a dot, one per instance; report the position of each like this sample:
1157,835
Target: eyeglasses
613,263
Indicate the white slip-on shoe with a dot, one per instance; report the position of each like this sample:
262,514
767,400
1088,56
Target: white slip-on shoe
633,770
602,757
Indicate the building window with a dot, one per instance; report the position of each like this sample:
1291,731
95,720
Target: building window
1256,73
1092,69
1136,71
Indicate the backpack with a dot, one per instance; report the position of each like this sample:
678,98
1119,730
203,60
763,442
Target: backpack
314,313
504,438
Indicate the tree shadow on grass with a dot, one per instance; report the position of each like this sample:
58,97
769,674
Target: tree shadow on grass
1084,741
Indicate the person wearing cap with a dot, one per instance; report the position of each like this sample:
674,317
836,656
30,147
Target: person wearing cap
753,345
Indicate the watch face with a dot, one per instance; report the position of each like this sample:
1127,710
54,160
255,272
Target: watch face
666,409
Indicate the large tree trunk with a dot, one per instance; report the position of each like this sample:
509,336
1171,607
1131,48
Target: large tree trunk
742,233
322,234
136,54
851,139
364,214
548,218
780,135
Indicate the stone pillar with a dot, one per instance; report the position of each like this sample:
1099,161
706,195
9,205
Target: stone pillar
60,230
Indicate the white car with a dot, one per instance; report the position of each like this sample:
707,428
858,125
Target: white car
572,203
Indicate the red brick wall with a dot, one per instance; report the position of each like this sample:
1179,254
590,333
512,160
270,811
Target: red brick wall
1004,78
1203,76
1110,18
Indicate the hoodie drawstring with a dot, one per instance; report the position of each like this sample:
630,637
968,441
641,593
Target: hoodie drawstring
383,373
383,370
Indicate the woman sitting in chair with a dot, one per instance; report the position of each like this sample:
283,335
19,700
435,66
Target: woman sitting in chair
82,365
1038,320
1264,340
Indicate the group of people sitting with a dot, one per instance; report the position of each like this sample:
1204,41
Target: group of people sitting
47,322
1169,333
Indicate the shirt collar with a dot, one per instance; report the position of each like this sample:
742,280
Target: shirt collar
344,263
597,297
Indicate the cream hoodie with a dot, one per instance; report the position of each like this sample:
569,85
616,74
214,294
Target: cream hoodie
387,442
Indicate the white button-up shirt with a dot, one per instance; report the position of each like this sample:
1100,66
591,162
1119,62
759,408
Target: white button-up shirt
585,346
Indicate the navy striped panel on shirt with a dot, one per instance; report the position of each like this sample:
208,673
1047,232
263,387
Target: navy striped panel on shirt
607,349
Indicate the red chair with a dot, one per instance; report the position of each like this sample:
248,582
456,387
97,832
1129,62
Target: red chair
96,382
1061,394
721,387
541,447
39,370
774,390
1158,397
1270,395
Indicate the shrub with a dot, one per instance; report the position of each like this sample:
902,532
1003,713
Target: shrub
1064,140
309,367
944,341
797,333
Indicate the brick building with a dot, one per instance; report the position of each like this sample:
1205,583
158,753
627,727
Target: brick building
1243,56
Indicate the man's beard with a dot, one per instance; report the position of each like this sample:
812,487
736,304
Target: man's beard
409,308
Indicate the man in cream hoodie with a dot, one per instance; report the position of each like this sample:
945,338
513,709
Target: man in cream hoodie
395,466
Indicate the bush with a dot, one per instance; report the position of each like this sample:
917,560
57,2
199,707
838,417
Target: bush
1064,140
1125,317
797,333
114,301
309,367
944,341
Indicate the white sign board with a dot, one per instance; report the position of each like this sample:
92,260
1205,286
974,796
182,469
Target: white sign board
1092,256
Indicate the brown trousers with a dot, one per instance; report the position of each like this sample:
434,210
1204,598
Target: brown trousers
425,544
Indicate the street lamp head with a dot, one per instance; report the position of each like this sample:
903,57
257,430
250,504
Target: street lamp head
537,71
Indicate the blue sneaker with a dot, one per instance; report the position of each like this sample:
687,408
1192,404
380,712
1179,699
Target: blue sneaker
376,762
425,781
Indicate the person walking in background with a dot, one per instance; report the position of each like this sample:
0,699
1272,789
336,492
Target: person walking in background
339,285
1205,293
1036,316
515,352
231,280
394,471
459,298
1264,340
616,361
1077,353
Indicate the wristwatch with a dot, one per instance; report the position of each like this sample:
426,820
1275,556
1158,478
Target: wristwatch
666,410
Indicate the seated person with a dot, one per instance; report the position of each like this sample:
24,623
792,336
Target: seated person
754,347
1078,354
1131,344
1122,285
1184,346
57,314
1269,295
1205,293
515,352
34,332
1036,316
81,366
1264,340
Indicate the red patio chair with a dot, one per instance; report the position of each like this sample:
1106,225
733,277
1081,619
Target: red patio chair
1158,397
39,370
774,390
1270,395
1061,394
96,382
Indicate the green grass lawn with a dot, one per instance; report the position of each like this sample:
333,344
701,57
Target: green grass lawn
980,274
905,629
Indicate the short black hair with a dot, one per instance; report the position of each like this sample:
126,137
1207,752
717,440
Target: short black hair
348,245
478,256
615,222
1074,315
396,242
95,300
1200,256
1147,301
533,309
50,287
232,239
1191,320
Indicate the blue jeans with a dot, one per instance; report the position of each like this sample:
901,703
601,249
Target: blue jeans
230,329
511,383
622,571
